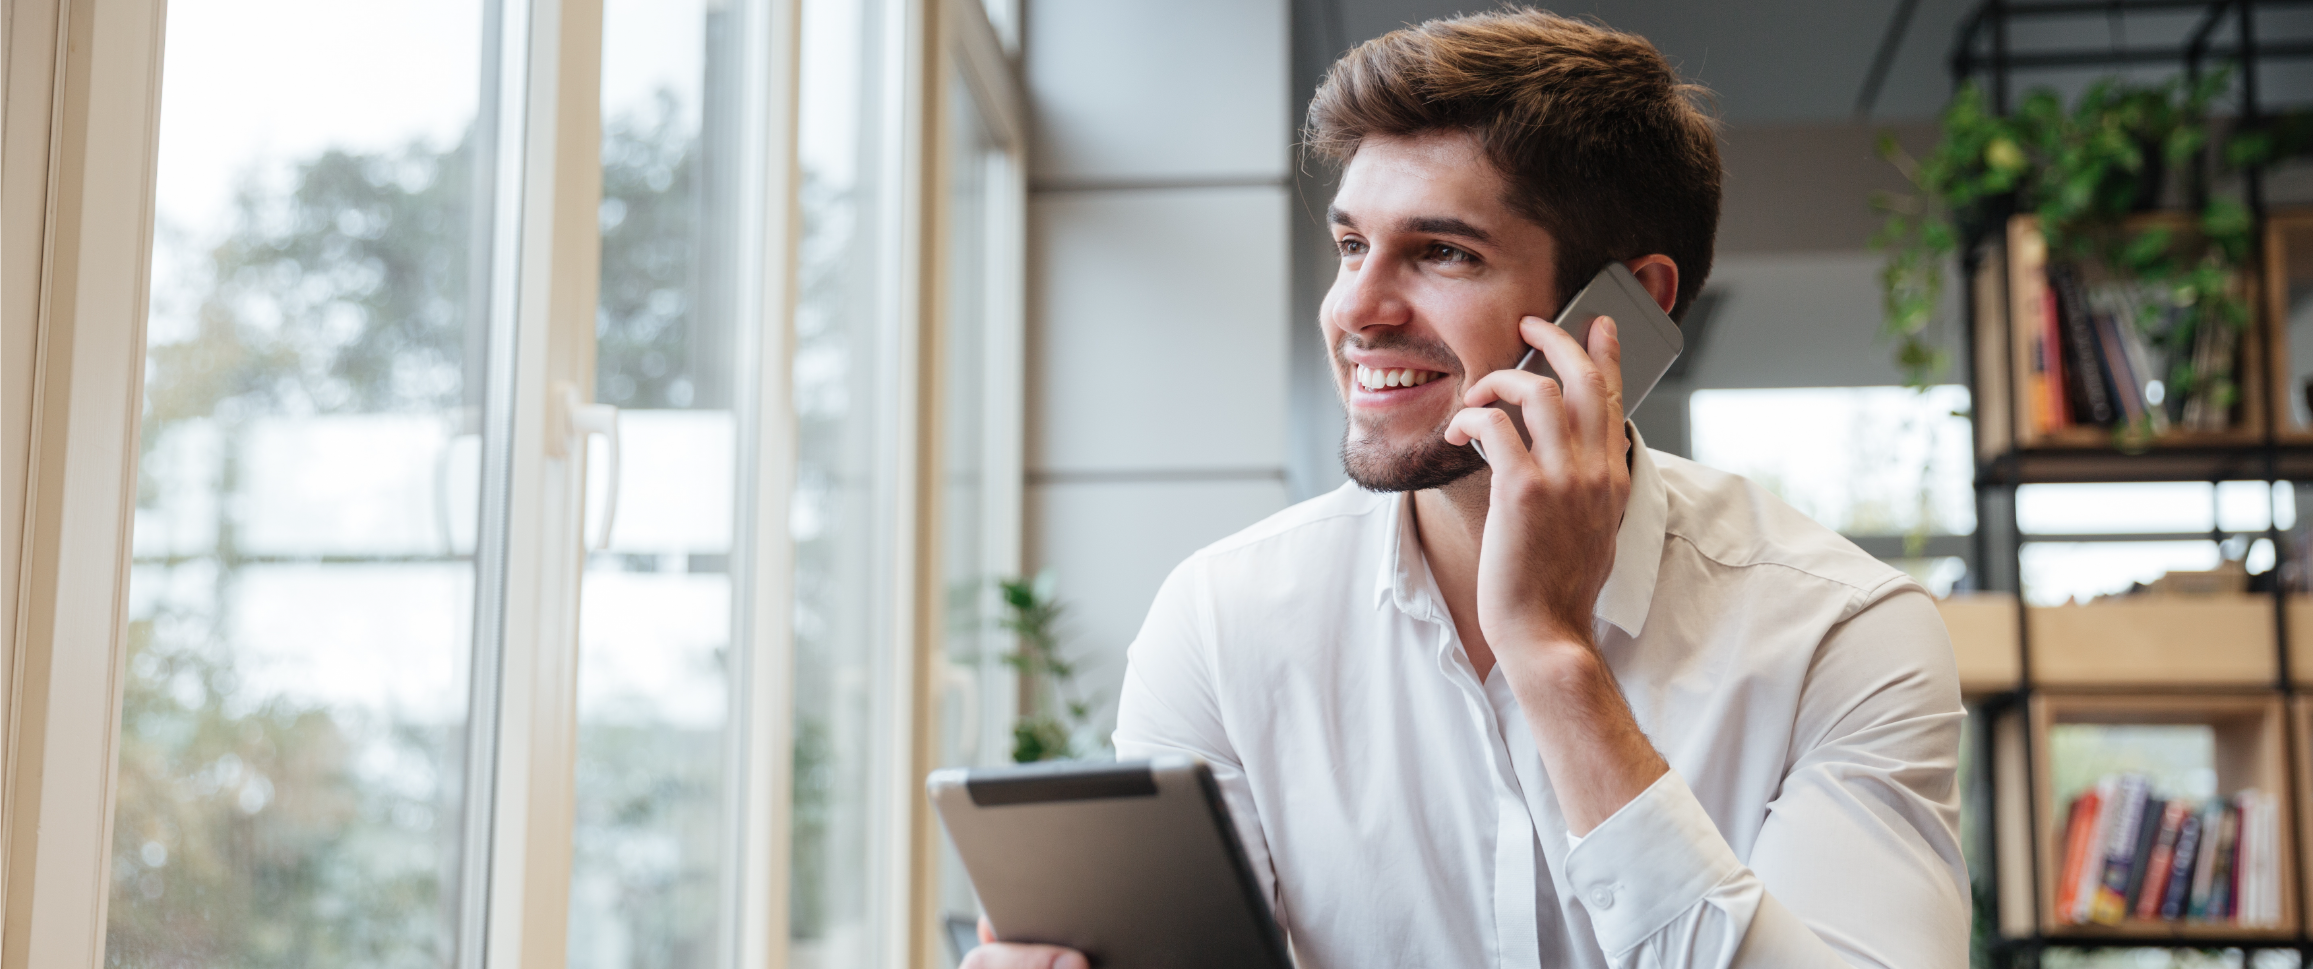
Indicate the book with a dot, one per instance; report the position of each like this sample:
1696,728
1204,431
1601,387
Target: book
2031,316
2154,886
2091,871
2079,853
2059,402
2221,879
2127,389
2205,868
2151,382
2109,904
2140,859
2083,372
2178,893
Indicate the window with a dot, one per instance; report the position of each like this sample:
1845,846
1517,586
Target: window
402,682
301,612
1887,466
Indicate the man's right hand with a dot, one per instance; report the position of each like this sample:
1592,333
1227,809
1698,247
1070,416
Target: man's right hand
992,954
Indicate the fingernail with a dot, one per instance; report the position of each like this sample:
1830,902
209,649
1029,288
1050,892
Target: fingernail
1070,960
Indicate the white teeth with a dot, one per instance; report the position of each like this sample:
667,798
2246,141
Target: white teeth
1372,379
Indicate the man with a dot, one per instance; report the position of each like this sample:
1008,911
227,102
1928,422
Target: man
1588,705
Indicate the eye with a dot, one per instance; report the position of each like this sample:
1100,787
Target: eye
1450,255
1350,245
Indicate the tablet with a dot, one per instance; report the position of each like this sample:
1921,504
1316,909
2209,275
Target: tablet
1135,863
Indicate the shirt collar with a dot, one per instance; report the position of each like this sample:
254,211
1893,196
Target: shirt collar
1405,579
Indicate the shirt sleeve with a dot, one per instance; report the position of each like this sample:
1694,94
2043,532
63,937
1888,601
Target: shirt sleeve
1169,706
1858,862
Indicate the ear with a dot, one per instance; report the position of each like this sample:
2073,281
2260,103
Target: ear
1659,275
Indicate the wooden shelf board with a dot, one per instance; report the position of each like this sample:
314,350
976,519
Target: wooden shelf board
2197,463
2156,641
2133,931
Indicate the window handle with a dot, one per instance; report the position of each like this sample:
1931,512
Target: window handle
580,421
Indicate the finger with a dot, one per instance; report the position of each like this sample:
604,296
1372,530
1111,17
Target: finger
1539,400
987,931
1008,955
1593,387
1493,429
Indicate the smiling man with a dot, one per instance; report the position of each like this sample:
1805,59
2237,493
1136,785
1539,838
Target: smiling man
1589,705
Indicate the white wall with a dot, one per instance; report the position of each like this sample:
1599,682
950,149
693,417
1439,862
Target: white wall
1159,307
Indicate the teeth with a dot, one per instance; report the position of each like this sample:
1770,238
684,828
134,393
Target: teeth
1372,379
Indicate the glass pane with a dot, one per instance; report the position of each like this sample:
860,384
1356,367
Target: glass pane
301,595
656,615
2089,509
1862,460
2058,571
845,496
974,652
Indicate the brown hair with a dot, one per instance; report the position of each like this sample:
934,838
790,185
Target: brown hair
1602,144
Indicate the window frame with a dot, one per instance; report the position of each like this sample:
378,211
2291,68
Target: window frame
81,111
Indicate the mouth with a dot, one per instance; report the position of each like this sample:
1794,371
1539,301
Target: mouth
1385,380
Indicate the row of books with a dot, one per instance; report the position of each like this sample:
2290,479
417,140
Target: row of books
2130,854
2093,349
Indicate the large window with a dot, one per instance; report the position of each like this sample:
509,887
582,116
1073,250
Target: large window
526,524
301,604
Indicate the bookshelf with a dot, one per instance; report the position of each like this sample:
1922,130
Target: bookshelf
2233,662
2252,752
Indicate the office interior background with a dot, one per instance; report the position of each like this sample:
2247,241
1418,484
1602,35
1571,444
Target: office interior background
539,482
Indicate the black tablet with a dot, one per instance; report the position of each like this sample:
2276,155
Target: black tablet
1135,864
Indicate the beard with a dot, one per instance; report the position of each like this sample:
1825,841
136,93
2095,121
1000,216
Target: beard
1429,462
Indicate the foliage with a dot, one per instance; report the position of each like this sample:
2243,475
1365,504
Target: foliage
244,837
1057,712
2082,171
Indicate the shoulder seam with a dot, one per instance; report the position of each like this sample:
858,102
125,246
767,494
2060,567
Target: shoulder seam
1239,540
1854,589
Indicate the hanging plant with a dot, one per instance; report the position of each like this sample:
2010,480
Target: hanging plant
2082,171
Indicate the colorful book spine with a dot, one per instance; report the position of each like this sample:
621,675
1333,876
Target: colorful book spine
2178,893
2079,853
2154,886
2110,904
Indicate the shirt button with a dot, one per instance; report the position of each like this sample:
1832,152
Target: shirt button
1601,898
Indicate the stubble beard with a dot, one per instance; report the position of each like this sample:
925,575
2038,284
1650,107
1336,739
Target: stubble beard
1429,462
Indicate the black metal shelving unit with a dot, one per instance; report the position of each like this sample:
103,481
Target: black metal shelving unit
1998,44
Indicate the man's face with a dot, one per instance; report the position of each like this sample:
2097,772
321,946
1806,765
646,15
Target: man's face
1436,272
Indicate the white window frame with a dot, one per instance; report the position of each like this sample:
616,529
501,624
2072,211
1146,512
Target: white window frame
79,136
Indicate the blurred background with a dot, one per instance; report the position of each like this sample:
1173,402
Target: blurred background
1115,254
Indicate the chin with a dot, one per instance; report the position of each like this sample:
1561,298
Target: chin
1428,463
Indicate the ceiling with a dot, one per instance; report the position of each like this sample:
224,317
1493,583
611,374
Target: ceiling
1793,61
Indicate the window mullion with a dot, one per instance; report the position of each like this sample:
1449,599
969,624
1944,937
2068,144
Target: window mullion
544,292
762,756
97,139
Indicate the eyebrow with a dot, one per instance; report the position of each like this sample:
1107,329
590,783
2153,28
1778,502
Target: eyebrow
1440,225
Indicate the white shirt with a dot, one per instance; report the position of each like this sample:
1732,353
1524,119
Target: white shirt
1398,815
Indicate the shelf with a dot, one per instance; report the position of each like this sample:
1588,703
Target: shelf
2289,284
2176,462
2156,641
1983,631
2250,753
2009,285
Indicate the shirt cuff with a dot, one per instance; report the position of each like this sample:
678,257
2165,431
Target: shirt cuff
1652,860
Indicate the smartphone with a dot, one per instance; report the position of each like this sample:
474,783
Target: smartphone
1650,339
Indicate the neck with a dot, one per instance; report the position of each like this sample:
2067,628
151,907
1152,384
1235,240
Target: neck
1450,523
1452,518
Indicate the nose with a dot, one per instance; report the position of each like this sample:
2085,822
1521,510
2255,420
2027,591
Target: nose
1367,295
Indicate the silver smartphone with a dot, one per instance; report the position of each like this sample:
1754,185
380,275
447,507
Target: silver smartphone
1136,864
1650,339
